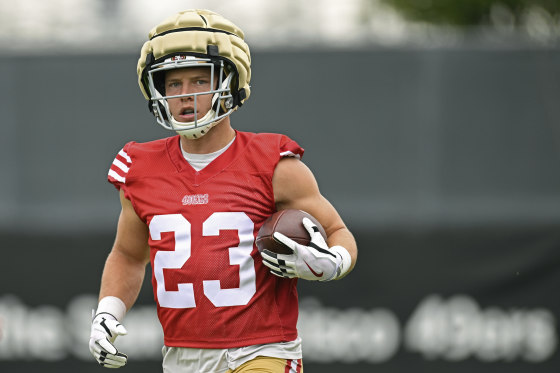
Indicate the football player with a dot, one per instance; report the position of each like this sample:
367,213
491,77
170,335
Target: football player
192,204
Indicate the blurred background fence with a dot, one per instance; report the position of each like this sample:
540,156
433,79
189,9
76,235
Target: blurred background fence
439,145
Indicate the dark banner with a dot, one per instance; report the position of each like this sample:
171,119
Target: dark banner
446,300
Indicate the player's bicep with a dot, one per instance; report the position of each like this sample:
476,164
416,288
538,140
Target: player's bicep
132,234
295,187
293,182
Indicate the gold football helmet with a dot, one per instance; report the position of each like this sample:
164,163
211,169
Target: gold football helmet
195,38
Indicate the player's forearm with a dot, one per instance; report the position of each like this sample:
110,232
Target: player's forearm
122,278
343,237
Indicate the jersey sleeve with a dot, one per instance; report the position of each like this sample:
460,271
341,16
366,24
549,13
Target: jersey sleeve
290,148
120,168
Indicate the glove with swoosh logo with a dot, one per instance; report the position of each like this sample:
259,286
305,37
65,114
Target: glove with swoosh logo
105,328
316,262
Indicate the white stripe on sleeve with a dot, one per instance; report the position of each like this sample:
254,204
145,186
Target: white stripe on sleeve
116,176
120,165
123,154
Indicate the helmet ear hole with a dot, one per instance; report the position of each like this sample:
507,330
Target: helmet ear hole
225,105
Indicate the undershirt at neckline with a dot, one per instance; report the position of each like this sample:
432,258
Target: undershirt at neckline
199,161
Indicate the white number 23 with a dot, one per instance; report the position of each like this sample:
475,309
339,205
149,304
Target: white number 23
240,255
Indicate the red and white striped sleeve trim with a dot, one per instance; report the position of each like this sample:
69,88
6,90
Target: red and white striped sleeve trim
291,149
120,167
288,153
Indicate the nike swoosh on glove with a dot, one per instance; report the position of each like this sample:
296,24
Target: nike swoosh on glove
316,262
105,328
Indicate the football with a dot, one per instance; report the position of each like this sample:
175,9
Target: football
289,223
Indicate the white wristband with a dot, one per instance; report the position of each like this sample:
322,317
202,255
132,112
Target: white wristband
346,261
112,305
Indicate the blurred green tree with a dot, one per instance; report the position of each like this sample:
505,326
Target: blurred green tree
468,12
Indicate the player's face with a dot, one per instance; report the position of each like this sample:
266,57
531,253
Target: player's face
188,81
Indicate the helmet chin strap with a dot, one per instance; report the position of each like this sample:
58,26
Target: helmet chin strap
196,132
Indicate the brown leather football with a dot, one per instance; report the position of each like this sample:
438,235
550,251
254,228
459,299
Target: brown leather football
289,223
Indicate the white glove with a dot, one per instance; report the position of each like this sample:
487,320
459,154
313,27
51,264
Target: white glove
316,262
105,328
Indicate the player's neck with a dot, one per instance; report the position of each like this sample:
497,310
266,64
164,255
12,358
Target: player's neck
218,137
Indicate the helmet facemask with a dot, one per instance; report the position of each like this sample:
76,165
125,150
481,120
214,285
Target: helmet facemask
222,99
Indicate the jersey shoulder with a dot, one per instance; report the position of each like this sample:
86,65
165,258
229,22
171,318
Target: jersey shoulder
277,145
136,159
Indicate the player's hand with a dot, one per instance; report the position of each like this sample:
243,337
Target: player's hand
316,262
104,330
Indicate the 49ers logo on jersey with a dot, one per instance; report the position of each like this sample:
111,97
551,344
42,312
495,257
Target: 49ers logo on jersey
195,199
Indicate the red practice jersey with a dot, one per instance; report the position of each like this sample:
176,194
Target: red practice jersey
211,288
